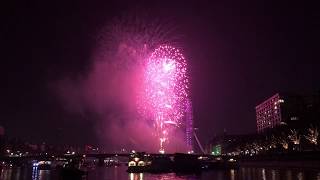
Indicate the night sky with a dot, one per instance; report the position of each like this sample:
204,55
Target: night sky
239,53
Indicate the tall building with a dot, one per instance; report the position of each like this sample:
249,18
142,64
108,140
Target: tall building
280,109
189,126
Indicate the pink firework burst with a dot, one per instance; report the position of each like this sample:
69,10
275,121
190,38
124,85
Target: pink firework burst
166,90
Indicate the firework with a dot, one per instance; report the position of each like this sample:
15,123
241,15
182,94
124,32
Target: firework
166,86
131,45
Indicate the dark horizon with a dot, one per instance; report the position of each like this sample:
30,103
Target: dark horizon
239,54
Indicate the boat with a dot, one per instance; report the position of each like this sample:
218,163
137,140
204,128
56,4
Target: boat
139,162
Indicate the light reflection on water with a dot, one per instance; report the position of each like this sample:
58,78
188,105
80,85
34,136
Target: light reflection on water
264,174
35,173
119,173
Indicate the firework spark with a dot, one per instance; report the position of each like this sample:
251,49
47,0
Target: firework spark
165,92
130,39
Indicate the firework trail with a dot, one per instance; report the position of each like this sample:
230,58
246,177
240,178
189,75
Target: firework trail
166,90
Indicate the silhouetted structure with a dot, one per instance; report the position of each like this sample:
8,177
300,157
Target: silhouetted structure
227,143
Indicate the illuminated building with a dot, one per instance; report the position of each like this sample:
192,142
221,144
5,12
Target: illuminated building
189,127
286,109
268,113
216,150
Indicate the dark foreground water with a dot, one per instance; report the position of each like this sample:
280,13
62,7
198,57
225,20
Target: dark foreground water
119,173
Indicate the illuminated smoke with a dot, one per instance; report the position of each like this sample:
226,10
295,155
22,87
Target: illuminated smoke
121,90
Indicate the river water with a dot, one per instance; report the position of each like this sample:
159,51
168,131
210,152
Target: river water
119,173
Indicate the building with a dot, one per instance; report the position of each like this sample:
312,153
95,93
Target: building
287,109
268,113
189,127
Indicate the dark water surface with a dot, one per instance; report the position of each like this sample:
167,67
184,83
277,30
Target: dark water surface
119,173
